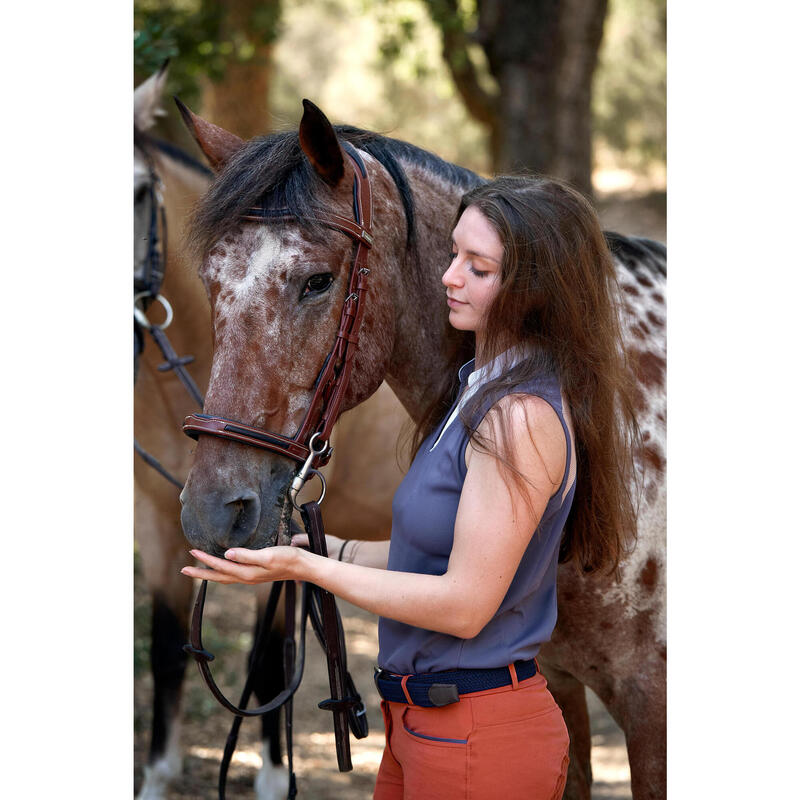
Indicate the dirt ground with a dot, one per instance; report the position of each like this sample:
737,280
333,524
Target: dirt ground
230,614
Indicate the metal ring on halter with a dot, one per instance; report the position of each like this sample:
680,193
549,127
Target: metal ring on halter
142,319
302,475
294,493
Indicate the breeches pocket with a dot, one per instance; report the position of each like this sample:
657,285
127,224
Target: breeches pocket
448,726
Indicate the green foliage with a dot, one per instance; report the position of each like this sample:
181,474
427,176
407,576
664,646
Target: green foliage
629,98
400,23
379,64
190,33
334,53
422,103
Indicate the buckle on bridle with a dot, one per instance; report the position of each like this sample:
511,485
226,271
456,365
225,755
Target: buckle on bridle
306,470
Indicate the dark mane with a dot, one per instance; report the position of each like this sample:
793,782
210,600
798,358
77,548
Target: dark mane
272,172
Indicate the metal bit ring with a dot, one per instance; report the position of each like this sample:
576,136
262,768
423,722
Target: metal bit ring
142,319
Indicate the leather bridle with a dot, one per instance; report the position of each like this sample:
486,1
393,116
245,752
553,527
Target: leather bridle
152,273
323,411
333,379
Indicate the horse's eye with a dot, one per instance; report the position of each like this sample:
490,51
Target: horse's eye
317,284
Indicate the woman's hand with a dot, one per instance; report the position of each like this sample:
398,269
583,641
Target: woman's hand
249,566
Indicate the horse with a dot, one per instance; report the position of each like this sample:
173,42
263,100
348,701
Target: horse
167,176
277,288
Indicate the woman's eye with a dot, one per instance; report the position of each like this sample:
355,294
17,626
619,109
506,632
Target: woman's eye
317,284
453,255
477,273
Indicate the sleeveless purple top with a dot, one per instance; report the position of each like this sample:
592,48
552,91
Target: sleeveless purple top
423,521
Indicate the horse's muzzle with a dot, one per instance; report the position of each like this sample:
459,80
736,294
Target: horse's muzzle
214,521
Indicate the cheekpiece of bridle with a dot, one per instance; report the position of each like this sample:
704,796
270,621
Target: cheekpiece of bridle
147,284
309,447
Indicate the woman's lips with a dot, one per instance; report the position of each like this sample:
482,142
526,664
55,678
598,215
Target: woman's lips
454,303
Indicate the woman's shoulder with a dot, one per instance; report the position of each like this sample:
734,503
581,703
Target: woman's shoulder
526,430
524,413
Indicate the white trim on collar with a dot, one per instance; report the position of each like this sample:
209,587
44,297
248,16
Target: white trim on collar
493,369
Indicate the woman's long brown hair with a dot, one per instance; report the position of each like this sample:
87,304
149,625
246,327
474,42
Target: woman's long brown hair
558,299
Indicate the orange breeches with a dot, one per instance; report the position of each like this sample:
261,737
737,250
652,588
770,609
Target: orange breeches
506,743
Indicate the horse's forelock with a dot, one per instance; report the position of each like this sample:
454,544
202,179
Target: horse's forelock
272,172
268,172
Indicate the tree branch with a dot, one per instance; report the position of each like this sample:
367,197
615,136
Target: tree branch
482,105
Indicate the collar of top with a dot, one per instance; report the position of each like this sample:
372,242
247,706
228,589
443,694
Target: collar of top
475,378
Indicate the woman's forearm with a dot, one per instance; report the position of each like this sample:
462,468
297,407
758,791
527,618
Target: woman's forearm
435,602
352,551
367,554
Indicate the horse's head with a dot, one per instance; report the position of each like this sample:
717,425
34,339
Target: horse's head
277,288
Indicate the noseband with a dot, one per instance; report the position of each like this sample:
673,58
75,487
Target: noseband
334,376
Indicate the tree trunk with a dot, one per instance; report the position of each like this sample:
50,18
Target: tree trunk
581,32
240,101
542,55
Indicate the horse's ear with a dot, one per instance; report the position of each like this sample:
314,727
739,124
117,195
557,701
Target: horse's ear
319,143
217,144
147,99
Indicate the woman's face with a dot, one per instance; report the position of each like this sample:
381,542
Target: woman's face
473,277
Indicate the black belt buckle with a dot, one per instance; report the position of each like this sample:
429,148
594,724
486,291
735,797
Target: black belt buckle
443,694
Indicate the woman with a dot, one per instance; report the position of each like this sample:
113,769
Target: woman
535,443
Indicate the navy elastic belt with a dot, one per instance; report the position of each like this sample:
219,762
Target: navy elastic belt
442,688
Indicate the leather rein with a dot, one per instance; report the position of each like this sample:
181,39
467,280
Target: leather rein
323,410
333,379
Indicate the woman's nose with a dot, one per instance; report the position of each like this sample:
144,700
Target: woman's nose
452,276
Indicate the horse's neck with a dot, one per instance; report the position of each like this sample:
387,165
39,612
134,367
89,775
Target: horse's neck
424,340
190,331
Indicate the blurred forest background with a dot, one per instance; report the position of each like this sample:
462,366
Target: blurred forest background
575,88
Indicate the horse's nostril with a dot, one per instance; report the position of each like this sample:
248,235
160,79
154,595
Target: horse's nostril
244,512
